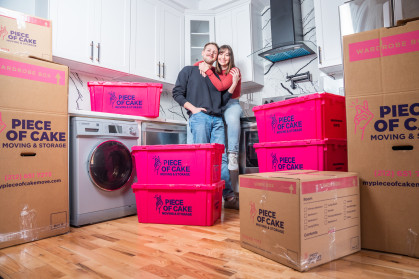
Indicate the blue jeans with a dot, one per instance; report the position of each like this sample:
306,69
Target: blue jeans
232,113
210,129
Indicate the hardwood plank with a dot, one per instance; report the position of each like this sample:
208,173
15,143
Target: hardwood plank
124,248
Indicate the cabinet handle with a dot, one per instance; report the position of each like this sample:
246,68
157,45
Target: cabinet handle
158,64
320,55
91,51
163,70
98,52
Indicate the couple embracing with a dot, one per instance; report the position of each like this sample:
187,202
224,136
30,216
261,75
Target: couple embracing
208,94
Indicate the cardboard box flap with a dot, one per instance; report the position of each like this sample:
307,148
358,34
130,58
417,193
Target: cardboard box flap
382,61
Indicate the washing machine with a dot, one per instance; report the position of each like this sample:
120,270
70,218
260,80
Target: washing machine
101,169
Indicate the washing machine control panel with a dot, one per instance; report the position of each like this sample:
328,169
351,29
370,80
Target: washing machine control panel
101,127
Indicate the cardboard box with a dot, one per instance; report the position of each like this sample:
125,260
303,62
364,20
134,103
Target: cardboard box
33,84
382,103
33,176
300,218
25,35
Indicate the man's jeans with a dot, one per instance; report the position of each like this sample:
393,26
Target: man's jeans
210,129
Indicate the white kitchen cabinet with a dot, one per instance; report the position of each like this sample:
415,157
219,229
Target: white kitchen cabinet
94,32
157,41
240,27
329,46
199,30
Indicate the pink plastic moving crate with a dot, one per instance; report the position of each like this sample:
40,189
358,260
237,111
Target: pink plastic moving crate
180,204
132,98
323,155
314,116
178,163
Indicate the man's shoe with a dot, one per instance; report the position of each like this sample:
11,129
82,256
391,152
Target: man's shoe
232,203
233,161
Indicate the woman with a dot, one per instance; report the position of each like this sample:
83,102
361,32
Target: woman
229,78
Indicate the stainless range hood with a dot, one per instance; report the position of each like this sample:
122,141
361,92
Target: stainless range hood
287,32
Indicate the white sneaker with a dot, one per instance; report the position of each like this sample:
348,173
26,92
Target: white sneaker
232,161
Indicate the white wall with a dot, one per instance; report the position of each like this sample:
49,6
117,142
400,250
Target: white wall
37,8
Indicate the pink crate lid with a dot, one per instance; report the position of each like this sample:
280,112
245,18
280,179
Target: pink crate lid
120,84
298,100
212,186
179,147
299,143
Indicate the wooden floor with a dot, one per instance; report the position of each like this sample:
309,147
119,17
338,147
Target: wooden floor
124,248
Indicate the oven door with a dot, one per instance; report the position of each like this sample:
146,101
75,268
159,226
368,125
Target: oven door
248,157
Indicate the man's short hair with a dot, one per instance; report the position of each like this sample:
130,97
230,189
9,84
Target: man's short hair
211,43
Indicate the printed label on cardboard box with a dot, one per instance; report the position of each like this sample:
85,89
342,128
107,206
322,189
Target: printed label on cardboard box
31,133
387,122
28,71
385,46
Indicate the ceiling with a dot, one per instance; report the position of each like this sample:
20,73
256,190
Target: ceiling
207,4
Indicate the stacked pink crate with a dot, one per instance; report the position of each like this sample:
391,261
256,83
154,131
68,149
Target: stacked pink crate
307,132
178,184
131,98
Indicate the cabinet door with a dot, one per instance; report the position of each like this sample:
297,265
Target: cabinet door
224,29
199,30
72,23
329,47
172,44
242,33
114,34
145,39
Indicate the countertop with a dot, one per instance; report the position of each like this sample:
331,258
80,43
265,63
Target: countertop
95,114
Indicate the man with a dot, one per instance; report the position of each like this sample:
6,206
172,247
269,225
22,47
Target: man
203,102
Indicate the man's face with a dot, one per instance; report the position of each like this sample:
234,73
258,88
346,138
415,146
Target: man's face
209,54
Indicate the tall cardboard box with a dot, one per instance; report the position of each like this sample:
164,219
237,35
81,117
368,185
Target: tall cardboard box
25,35
33,150
382,103
300,218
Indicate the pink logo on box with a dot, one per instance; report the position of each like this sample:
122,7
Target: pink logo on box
362,117
159,202
252,210
31,72
157,164
3,31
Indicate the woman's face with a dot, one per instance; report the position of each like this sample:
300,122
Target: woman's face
224,57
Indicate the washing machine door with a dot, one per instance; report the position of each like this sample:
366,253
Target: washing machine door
110,165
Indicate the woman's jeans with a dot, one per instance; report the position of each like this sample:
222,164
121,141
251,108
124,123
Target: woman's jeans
210,129
232,112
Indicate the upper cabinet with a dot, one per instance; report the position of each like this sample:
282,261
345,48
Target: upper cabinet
94,32
157,41
329,46
199,30
240,27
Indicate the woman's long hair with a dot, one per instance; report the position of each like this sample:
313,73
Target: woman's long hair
231,64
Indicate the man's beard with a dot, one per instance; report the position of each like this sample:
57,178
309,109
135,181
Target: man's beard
209,61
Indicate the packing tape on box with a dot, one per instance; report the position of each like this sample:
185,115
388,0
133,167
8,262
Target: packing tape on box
20,17
412,242
28,229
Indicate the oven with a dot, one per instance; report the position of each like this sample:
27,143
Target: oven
248,161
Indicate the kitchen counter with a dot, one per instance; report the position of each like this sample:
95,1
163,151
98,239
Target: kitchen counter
96,114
